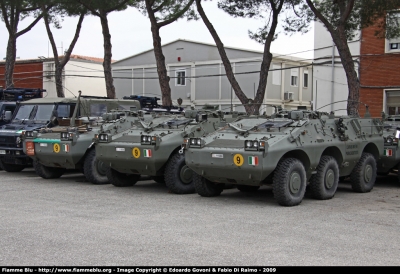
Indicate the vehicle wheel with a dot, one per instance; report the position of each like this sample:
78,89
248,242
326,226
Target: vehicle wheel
247,188
95,170
11,167
324,183
289,182
178,176
159,179
48,172
398,172
121,179
363,175
205,187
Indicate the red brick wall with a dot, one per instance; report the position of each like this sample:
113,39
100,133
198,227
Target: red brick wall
377,68
26,75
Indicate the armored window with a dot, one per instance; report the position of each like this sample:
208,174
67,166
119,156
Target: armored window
24,112
180,78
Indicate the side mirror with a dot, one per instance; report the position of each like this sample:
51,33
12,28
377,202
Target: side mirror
7,116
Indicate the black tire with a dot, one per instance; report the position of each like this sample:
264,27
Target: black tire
48,172
159,179
364,173
121,179
289,182
247,188
11,167
324,183
205,187
95,171
178,176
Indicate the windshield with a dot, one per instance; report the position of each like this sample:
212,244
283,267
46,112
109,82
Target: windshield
24,111
43,112
34,112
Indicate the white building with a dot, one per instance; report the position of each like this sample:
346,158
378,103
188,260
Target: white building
80,73
330,83
198,76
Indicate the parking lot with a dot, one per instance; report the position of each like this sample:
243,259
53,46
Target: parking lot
71,222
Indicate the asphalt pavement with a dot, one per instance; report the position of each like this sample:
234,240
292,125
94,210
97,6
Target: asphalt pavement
71,222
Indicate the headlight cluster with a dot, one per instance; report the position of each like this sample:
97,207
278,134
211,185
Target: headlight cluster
148,140
196,142
390,140
66,136
254,145
30,134
104,138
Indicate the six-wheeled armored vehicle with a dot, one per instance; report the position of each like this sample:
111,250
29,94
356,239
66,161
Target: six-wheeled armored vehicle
69,145
306,148
151,147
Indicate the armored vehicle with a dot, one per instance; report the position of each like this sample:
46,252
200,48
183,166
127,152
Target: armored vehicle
69,145
390,160
150,147
306,148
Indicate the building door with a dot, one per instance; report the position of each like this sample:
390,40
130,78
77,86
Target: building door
392,102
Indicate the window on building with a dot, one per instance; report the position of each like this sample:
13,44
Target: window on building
293,78
305,79
180,78
393,102
276,75
393,44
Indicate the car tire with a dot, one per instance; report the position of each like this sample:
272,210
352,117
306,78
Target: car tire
121,179
289,182
205,187
178,176
48,172
324,183
95,171
363,176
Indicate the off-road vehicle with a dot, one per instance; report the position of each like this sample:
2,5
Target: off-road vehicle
69,145
306,148
151,147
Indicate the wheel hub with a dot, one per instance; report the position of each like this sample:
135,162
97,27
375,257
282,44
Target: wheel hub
294,182
329,178
368,173
186,174
101,168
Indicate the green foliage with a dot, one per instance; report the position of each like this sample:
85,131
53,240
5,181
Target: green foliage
363,14
167,10
257,9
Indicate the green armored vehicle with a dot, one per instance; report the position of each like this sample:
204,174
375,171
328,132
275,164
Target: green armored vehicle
390,160
69,145
306,148
151,147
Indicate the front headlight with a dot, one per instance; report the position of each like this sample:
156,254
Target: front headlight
104,138
254,145
28,134
148,140
196,142
66,136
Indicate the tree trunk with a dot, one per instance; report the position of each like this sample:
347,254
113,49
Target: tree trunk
160,59
107,56
346,58
10,60
58,80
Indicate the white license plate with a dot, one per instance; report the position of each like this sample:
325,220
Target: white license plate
2,152
120,149
43,145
